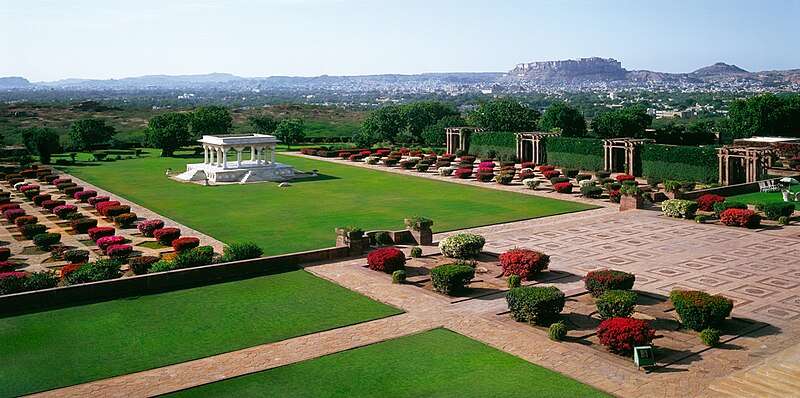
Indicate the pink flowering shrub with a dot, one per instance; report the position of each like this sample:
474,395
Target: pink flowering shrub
97,199
119,251
84,196
147,227
105,242
100,232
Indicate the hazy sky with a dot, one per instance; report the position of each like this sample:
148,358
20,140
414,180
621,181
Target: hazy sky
54,39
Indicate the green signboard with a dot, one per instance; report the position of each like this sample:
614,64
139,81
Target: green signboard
643,356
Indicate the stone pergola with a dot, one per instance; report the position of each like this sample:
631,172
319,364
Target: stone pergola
739,164
630,151
530,146
216,148
458,138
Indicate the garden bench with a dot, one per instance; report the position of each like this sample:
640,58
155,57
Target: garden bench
768,186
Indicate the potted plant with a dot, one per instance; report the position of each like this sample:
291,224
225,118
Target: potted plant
672,189
631,197
346,235
420,228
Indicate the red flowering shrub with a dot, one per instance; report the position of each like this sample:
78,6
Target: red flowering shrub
52,204
68,269
7,206
147,227
387,259
107,241
625,177
344,154
113,211
740,218
5,253
119,251
98,199
355,158
185,243
12,214
620,335
22,220
28,187
463,172
706,202
99,232
614,195
84,196
563,187
545,167
102,206
524,263
527,165
526,173
64,211
551,174
167,235
65,185
39,199
598,282
71,191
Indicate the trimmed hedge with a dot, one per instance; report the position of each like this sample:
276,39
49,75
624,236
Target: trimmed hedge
600,281
616,303
462,246
387,259
535,304
576,153
670,162
776,210
700,310
451,278
679,208
503,144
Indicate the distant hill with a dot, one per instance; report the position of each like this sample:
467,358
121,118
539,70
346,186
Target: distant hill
719,69
14,82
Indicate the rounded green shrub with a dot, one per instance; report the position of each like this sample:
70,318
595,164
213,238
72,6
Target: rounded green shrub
616,303
462,246
416,252
535,304
45,240
99,270
591,191
710,337
557,331
514,281
700,310
237,251
783,220
451,278
679,208
598,282
399,276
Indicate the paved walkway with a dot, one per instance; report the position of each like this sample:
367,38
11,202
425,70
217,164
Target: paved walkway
663,253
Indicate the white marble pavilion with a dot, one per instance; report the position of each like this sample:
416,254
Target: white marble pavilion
217,168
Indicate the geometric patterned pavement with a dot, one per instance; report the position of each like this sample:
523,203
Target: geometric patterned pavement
760,272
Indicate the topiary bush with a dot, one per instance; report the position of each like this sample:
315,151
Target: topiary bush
524,263
45,240
64,211
598,282
12,214
113,211
451,279
775,210
563,187
94,201
141,265
514,281
719,207
679,208
121,251
416,252
462,246
399,276
196,257
185,243
102,206
147,227
165,236
386,259
740,218
24,220
535,304
699,310
83,196
706,202
99,232
105,242
557,331
710,337
40,198
616,304
530,183
620,335
31,230
238,251
76,256
591,191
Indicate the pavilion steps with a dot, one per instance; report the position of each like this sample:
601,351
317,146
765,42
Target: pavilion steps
777,376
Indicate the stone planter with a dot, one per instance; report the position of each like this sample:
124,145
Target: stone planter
630,202
672,194
421,233
344,236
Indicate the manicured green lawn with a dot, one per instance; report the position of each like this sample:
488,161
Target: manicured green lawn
759,197
437,363
303,216
74,345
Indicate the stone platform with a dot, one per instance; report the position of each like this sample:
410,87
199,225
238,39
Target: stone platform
240,173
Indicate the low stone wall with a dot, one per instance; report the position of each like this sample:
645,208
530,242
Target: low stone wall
66,296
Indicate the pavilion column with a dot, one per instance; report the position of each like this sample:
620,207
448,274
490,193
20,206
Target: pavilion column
272,154
239,157
205,154
211,155
252,153
223,158
258,155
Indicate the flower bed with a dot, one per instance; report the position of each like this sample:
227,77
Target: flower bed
524,263
463,173
13,214
386,259
548,174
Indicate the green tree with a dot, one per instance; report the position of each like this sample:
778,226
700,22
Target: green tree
383,124
168,132
562,117
434,134
419,115
264,124
767,114
290,131
86,134
41,141
504,115
625,122
211,120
